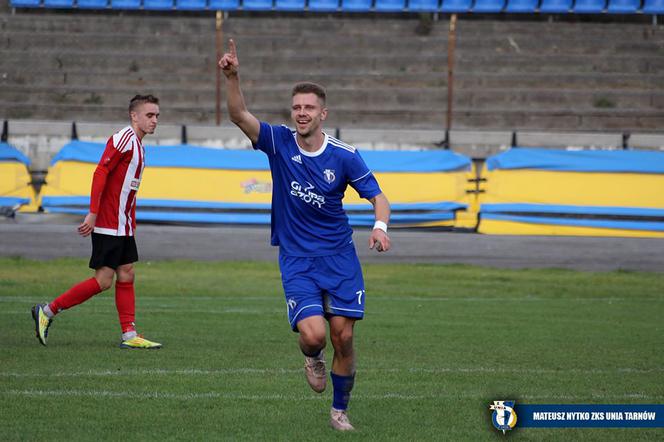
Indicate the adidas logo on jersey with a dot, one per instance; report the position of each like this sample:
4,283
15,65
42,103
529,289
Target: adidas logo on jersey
297,159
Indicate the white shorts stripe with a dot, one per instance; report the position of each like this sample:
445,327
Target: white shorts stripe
300,311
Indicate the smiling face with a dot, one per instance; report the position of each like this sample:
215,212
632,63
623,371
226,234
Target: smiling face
144,118
308,113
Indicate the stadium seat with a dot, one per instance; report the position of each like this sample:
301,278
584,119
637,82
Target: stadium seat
257,5
527,6
356,5
589,6
224,5
25,3
555,6
158,5
92,4
623,6
456,5
190,5
289,5
653,7
323,5
390,5
423,5
126,4
58,3
488,5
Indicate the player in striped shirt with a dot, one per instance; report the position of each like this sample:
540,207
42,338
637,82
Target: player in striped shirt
320,271
112,224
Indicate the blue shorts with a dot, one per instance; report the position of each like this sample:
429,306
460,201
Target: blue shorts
322,286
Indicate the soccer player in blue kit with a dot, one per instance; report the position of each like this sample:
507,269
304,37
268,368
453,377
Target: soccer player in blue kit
320,271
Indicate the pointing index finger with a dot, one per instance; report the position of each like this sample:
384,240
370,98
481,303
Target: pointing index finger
231,48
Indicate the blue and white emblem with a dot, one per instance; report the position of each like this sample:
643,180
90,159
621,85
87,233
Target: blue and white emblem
504,416
329,175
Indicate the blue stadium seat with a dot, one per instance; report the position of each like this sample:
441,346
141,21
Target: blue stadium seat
190,5
356,5
126,4
25,3
323,5
257,5
58,3
653,7
158,5
456,5
527,6
289,5
589,6
92,4
488,5
390,5
556,6
423,5
623,6
224,5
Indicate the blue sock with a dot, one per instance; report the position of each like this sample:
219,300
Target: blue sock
342,387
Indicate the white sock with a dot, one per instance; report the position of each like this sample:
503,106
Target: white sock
129,335
48,311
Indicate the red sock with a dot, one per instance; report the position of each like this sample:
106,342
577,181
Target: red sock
126,305
79,293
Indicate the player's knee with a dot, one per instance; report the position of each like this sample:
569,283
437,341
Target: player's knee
104,282
126,273
312,338
342,339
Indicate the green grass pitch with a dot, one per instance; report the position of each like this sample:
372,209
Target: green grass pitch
438,344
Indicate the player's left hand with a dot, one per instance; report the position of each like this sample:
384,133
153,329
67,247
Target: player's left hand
88,224
379,240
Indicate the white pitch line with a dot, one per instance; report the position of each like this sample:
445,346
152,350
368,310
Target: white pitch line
284,371
376,298
208,395
281,397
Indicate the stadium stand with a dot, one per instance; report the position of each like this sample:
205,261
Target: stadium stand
323,5
556,6
589,6
535,191
195,184
289,5
488,6
458,6
16,191
126,4
389,5
653,7
191,5
423,5
584,76
92,4
522,6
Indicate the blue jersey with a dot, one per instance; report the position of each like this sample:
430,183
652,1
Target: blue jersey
308,218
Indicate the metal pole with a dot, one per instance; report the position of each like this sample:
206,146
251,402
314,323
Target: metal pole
220,48
451,44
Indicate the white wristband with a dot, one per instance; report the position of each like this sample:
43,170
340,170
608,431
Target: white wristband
380,225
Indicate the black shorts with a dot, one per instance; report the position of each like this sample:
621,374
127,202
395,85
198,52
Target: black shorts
112,251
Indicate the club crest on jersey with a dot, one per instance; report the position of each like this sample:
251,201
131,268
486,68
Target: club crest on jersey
135,184
329,176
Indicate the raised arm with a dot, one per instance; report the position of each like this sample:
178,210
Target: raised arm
379,238
237,110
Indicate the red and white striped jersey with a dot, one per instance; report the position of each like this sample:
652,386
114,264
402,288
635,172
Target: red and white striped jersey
122,165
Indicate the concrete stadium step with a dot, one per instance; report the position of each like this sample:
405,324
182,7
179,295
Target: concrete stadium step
331,63
409,99
205,76
464,118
